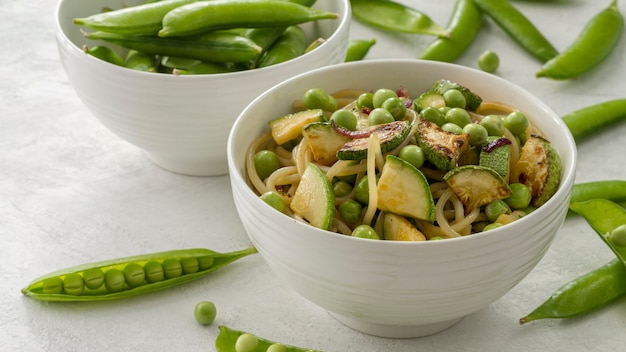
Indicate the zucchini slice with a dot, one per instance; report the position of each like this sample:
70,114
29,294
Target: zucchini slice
324,141
476,185
472,100
290,126
442,148
399,228
495,155
314,199
390,136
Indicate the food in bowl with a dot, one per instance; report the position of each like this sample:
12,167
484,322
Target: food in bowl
387,165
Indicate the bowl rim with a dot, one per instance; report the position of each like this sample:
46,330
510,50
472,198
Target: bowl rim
562,194
344,18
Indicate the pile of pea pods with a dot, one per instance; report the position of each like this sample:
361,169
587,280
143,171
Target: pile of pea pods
203,37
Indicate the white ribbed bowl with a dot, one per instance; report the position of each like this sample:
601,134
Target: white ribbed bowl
181,122
386,288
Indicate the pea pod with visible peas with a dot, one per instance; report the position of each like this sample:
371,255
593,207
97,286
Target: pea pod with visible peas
518,27
395,17
204,16
230,340
464,25
219,47
597,40
129,276
590,119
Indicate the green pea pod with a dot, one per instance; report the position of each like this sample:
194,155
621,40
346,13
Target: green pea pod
597,40
583,294
206,68
464,25
518,27
227,339
104,53
591,119
220,47
289,45
358,49
124,277
206,16
139,61
395,17
604,216
144,19
613,190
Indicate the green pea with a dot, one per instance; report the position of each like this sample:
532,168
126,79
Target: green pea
73,284
205,262
316,98
172,268
458,116
433,115
452,128
520,196
618,236
436,238
454,98
93,278
396,107
492,226
344,118
114,280
478,134
341,188
365,100
190,265
516,122
266,162
365,231
413,154
275,200
350,211
52,285
362,192
205,312
379,116
495,209
444,110
154,271
277,347
351,179
381,95
494,125
134,274
488,61
246,343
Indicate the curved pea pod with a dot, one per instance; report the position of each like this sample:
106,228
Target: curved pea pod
144,19
613,190
105,53
206,16
358,49
464,25
395,17
289,45
227,339
221,47
597,40
139,61
605,216
591,119
591,291
129,276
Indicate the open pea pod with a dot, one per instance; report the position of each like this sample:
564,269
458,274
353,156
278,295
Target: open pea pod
608,219
228,338
129,276
395,17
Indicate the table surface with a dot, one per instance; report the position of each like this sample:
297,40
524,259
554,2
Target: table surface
71,192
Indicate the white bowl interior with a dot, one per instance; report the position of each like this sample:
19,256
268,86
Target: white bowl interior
386,288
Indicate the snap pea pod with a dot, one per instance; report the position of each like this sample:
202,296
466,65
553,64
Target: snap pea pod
395,17
104,53
144,19
289,45
597,40
464,25
139,61
358,49
608,219
219,47
613,190
129,276
227,340
588,120
518,27
588,292
205,68
205,16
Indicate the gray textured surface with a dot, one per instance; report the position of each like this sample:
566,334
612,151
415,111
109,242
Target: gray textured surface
72,192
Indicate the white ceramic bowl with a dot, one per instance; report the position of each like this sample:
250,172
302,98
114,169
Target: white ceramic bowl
389,288
181,122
